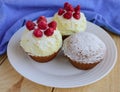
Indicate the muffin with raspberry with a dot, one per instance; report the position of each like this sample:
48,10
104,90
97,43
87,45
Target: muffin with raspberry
41,40
70,20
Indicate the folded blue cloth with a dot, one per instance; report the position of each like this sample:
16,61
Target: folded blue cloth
14,13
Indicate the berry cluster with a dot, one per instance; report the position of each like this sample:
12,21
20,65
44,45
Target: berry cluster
68,11
40,26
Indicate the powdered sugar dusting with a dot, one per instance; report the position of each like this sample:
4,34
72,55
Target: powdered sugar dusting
84,47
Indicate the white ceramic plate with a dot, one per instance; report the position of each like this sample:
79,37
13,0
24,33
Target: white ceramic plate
59,72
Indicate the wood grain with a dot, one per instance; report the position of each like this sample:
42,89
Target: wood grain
11,81
2,58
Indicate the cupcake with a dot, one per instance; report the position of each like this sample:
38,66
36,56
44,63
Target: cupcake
84,50
70,20
41,40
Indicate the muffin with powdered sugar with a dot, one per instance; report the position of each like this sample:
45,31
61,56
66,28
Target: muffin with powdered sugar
84,50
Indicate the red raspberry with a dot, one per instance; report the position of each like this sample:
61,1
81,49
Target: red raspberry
68,15
76,15
60,11
37,33
30,25
77,8
66,4
42,24
53,24
77,11
49,31
68,7
41,18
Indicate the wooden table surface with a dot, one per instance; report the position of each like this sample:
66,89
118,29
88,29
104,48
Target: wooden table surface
11,81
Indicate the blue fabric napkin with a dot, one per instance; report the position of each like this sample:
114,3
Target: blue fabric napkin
14,13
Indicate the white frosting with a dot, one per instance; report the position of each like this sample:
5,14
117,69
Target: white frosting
84,47
70,26
43,46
